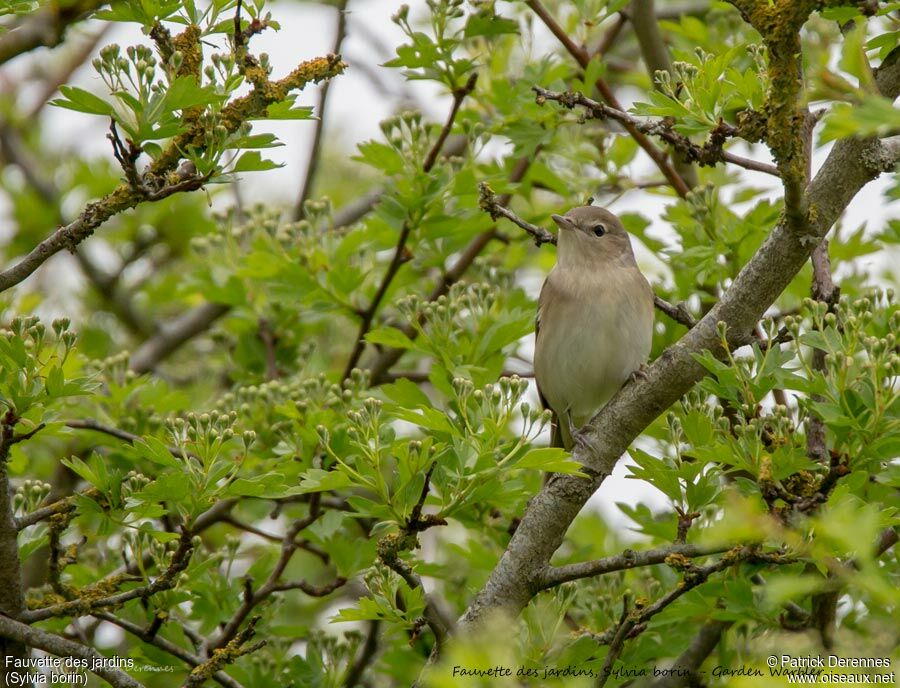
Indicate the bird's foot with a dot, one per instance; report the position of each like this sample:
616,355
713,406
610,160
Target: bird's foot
580,442
639,373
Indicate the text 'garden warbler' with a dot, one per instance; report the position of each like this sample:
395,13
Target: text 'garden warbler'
595,319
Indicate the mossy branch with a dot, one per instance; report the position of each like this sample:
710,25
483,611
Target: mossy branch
162,176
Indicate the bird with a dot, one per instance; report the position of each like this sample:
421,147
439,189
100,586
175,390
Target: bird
594,323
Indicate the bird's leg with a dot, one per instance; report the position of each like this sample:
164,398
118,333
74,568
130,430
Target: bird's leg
579,439
639,373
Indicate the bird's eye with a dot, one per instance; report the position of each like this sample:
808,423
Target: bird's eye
598,230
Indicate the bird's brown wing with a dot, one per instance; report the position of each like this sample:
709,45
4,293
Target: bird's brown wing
556,435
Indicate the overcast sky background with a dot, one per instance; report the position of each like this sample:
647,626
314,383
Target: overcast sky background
355,108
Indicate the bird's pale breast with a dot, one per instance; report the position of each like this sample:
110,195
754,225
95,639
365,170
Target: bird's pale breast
595,330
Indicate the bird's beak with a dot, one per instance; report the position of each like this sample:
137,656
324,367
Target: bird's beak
563,222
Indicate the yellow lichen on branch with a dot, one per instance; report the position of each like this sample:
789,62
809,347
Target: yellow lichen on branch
254,105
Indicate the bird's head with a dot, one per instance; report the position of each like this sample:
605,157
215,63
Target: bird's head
591,237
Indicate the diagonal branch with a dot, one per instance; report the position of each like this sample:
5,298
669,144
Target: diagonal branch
125,196
582,57
174,334
166,646
684,670
708,154
851,164
379,371
44,27
61,647
88,604
401,253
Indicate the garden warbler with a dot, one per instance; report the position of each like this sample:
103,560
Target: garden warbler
595,320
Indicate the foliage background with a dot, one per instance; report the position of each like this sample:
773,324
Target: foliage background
222,342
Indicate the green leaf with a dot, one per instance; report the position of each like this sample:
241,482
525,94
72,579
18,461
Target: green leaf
551,459
484,24
82,101
155,450
406,393
286,110
318,480
185,93
252,161
390,336
269,486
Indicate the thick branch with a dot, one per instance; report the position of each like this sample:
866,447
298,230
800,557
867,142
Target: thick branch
174,334
59,646
12,590
850,165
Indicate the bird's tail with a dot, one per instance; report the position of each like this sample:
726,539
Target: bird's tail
559,434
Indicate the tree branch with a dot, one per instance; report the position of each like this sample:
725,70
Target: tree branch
493,206
364,658
389,357
59,646
12,591
629,559
90,424
642,14
167,646
87,605
127,196
684,669
851,164
708,154
634,623
312,165
44,27
401,253
174,334
583,58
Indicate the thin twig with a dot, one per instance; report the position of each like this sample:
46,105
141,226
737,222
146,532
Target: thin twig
61,647
43,27
487,201
166,646
312,165
401,253
273,583
389,357
90,424
629,559
493,206
635,622
709,153
583,58
79,607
